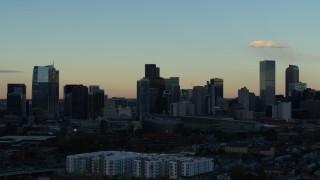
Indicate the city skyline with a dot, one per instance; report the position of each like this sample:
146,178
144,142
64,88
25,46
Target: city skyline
107,43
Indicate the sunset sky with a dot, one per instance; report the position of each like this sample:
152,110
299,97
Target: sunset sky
107,42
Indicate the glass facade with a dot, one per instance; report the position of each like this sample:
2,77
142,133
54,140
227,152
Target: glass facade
267,82
45,89
16,99
292,76
143,97
218,87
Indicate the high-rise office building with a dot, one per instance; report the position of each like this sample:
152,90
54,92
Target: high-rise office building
93,89
152,71
172,90
244,98
267,82
292,76
156,92
210,99
76,101
143,97
199,100
252,101
158,96
16,99
45,89
218,87
297,87
96,101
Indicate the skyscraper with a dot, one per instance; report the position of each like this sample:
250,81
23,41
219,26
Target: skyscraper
45,89
96,101
76,101
172,90
16,99
292,76
143,97
218,87
199,100
152,71
267,82
210,98
244,98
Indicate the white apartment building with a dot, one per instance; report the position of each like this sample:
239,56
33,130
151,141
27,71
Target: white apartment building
138,165
106,163
193,167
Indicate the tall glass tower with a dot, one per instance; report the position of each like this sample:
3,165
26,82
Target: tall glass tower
45,89
292,76
218,87
143,97
16,99
267,82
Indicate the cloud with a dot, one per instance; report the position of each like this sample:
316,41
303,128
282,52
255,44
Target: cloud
268,44
10,71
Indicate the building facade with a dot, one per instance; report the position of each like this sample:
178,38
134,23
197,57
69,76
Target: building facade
143,98
284,110
45,89
292,76
76,101
152,71
96,102
137,165
267,82
198,100
244,98
16,99
218,87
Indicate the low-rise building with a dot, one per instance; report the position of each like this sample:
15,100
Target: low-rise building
137,165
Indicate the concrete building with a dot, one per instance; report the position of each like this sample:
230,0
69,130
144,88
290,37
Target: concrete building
297,87
186,95
284,110
161,166
244,98
271,111
124,112
246,148
137,165
182,108
150,166
104,163
110,109
192,167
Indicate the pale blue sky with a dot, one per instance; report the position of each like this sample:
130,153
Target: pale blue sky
108,42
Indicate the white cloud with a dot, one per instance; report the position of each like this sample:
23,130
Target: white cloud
268,44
